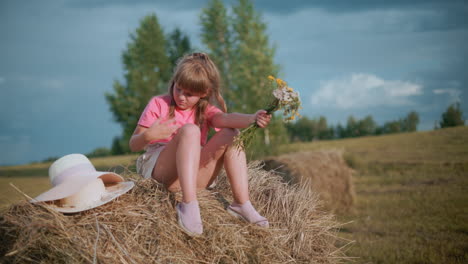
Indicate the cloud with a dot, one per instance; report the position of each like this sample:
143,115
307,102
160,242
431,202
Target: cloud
364,90
452,92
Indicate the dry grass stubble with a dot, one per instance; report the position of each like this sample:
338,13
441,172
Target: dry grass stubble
325,172
141,227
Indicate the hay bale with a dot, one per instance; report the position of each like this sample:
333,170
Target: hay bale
325,172
141,227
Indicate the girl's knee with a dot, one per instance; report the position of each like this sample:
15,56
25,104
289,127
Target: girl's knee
191,130
230,132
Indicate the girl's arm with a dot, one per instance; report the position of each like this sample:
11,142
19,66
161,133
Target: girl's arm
159,130
139,139
237,120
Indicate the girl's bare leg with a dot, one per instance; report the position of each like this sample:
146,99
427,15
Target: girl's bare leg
235,164
219,151
179,172
178,163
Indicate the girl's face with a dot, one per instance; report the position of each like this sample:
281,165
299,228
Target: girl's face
184,99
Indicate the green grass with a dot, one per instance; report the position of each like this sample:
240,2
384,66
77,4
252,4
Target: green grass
411,194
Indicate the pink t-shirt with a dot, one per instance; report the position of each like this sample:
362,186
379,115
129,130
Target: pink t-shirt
159,106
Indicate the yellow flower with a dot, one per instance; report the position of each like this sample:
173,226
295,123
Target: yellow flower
271,77
293,117
290,89
280,82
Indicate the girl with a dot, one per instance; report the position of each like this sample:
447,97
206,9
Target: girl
173,130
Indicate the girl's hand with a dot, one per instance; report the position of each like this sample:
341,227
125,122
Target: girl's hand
262,118
161,129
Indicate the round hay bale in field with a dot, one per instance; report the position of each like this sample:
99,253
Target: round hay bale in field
325,172
141,227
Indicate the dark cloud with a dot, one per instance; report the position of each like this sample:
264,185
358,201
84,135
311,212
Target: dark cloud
447,15
447,20
173,5
451,14
356,5
284,7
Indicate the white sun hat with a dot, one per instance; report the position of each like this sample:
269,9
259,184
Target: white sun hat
77,186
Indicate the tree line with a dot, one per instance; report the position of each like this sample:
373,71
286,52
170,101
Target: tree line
306,129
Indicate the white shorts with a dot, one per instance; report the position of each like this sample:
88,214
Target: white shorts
146,161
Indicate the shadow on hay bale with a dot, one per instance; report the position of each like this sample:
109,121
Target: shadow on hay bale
141,227
325,172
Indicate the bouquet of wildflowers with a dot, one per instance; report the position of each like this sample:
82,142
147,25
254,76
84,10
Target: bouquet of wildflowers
284,98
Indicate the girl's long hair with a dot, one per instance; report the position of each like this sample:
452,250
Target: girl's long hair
197,74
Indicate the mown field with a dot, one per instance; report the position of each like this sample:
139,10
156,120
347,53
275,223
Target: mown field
411,194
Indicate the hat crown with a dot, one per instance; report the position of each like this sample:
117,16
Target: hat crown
88,195
67,165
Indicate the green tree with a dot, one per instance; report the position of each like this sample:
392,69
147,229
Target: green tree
322,128
410,123
340,131
366,126
216,34
407,124
178,44
352,127
147,71
117,144
392,127
240,47
253,59
453,116
379,130
331,133
301,130
99,152
305,129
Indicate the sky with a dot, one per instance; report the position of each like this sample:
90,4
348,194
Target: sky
362,57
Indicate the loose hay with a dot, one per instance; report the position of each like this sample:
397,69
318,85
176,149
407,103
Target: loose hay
325,172
141,227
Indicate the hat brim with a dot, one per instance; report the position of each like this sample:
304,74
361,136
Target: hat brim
71,187
110,194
